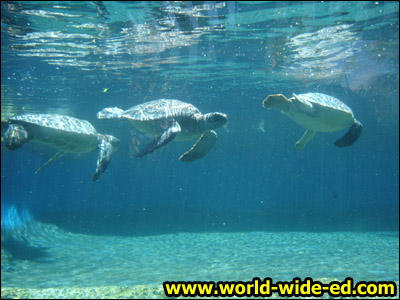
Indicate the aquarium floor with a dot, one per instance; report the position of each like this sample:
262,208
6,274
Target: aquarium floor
54,258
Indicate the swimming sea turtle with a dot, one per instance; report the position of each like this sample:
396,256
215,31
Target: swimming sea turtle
66,134
317,113
171,120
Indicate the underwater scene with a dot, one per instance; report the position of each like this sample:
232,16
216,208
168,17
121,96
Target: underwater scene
146,143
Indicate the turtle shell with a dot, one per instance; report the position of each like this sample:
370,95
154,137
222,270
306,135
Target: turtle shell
160,109
64,133
321,113
325,101
59,122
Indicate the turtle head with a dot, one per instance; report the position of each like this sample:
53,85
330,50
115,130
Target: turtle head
215,120
16,136
278,102
112,140
110,113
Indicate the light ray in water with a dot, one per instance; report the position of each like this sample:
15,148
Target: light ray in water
13,218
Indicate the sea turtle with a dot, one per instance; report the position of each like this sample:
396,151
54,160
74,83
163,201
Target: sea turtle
169,120
317,113
64,133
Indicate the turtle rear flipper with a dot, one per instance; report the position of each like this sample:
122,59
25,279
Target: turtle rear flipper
307,136
351,136
16,136
164,139
203,145
51,160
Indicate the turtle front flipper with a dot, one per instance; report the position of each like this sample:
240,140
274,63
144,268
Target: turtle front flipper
307,136
16,136
203,145
107,145
51,160
103,159
166,137
351,136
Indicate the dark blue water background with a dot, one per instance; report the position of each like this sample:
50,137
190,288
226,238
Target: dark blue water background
219,57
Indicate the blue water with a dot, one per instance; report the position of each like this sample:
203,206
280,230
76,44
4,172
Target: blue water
75,58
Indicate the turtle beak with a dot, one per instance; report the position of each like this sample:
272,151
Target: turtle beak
114,143
218,119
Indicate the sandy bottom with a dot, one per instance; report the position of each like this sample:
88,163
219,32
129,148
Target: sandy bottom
46,257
